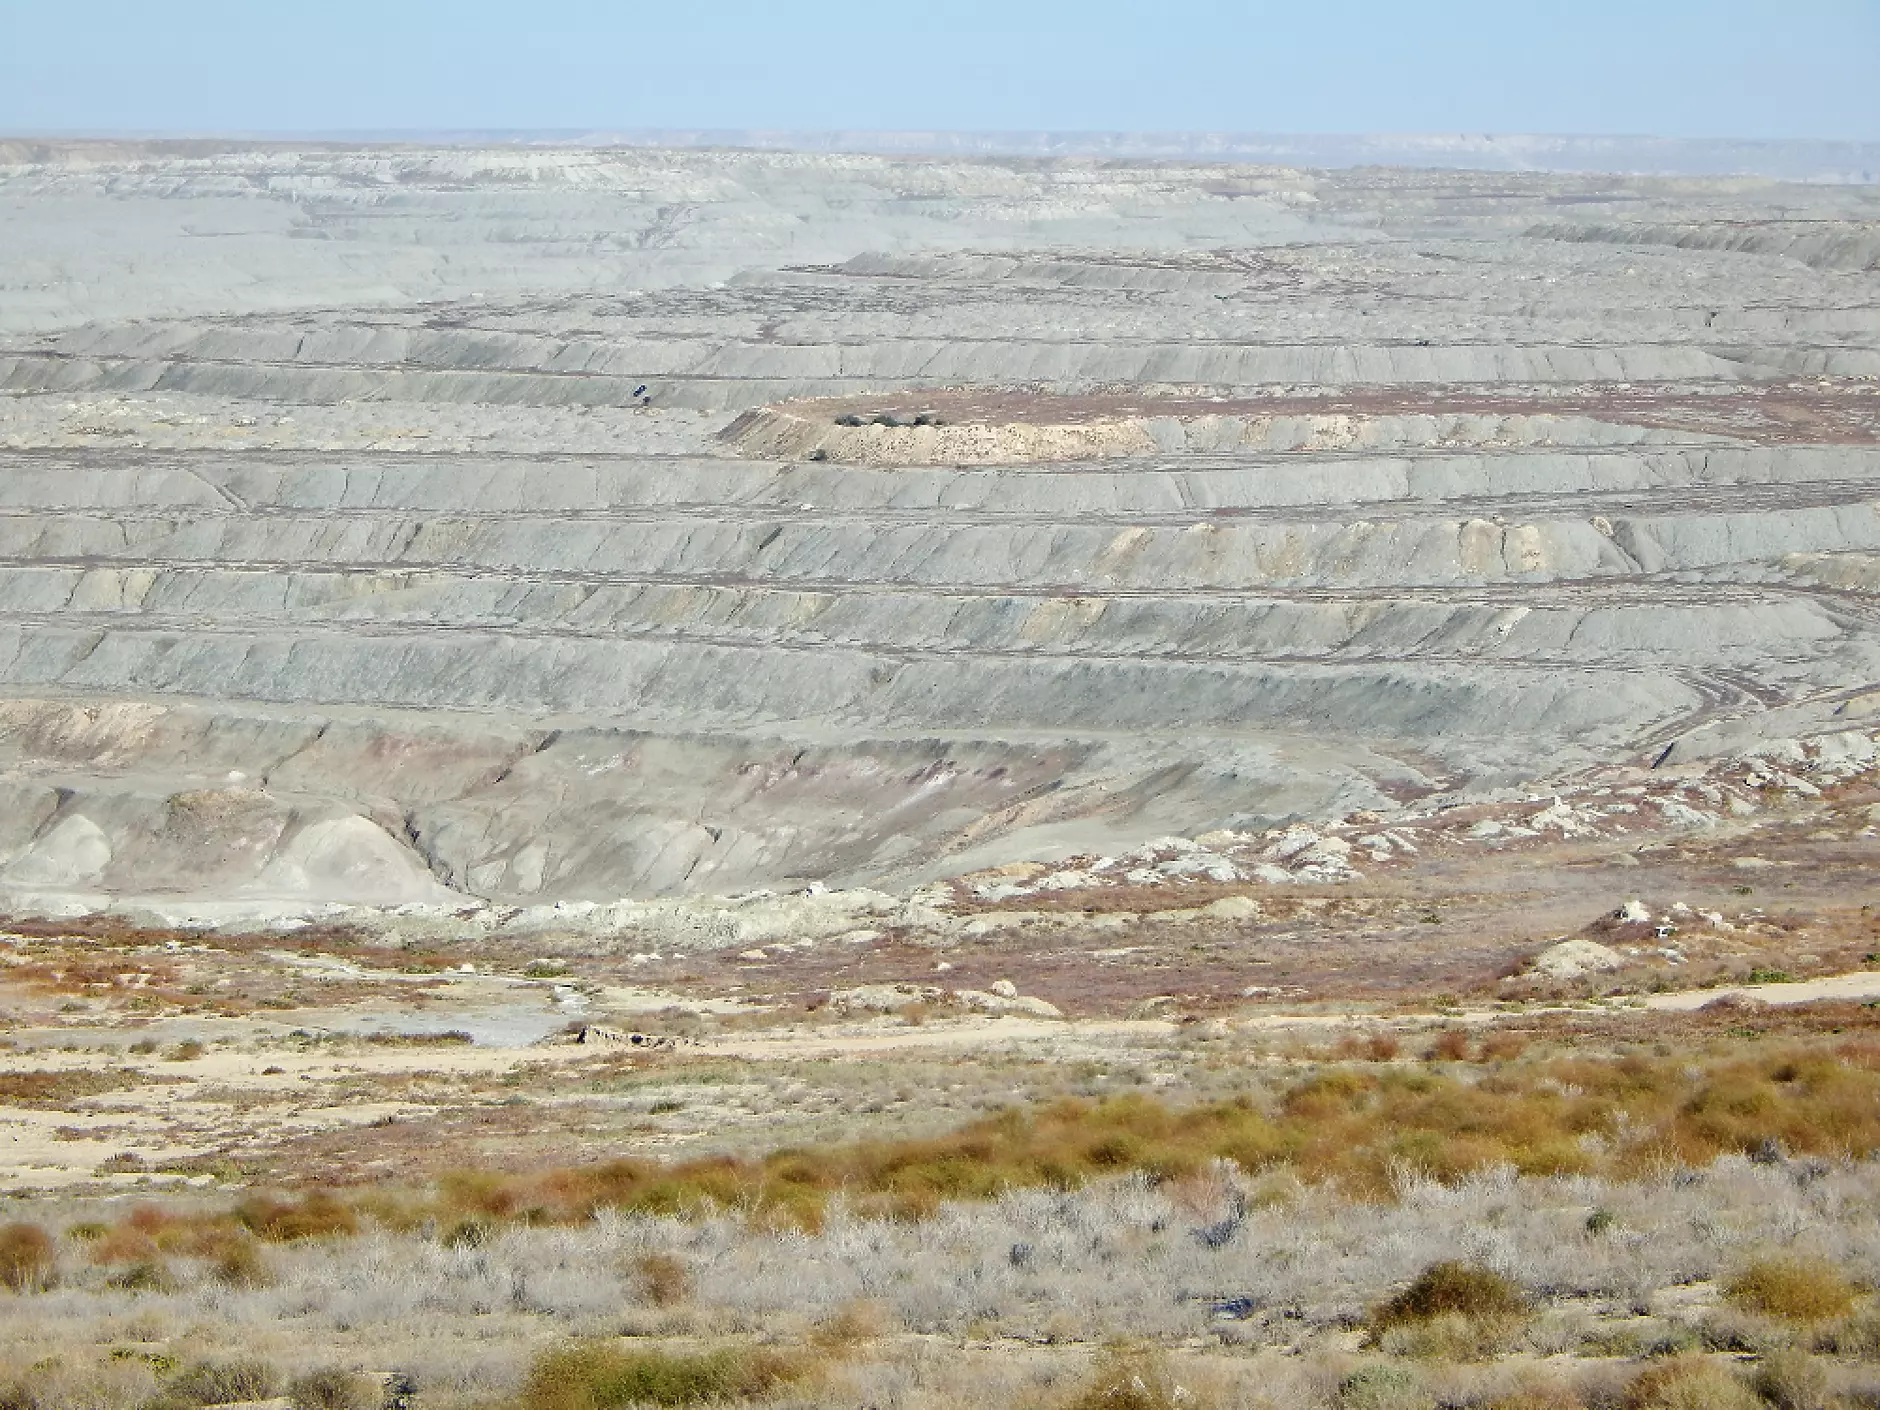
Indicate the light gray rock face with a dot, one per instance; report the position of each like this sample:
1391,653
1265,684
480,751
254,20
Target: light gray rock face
342,560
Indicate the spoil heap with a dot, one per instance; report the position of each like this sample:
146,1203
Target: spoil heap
342,557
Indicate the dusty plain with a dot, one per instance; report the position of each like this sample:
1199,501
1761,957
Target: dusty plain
708,776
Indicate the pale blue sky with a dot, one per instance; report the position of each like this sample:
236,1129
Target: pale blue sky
1677,68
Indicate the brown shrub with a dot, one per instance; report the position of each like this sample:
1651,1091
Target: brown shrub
1453,1290
1551,1395
150,1219
317,1216
664,1280
1503,1046
1451,1045
122,1244
1689,1383
240,1264
1793,1289
27,1258
1382,1047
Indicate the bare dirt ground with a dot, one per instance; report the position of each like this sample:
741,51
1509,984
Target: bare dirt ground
331,1055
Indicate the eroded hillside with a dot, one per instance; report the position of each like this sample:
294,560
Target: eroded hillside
439,528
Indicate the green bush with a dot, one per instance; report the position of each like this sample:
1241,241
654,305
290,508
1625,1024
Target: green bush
602,1376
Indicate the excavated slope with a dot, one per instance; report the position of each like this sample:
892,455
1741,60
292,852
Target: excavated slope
399,525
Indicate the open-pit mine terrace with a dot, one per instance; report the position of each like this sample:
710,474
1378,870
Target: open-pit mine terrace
400,525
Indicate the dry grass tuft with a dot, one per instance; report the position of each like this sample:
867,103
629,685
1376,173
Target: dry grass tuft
1793,1289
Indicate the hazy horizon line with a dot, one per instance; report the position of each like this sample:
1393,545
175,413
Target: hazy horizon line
1836,160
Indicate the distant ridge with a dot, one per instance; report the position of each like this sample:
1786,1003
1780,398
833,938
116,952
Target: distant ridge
1832,162
1815,161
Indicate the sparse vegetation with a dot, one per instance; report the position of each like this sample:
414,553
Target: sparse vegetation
63,1087
1353,1127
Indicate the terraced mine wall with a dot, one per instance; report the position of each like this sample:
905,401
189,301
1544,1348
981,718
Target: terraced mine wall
425,527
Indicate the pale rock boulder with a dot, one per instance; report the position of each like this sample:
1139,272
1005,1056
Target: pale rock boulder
1232,908
1570,959
883,998
351,858
75,852
1019,1005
